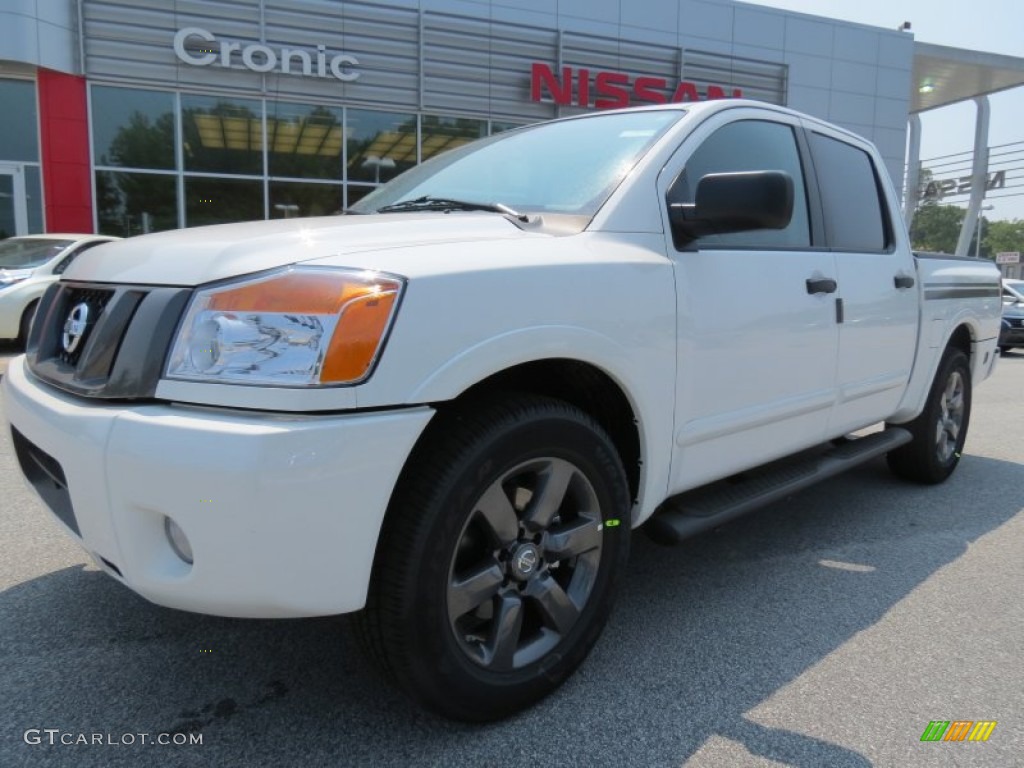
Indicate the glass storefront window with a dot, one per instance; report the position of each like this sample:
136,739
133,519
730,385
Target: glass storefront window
8,221
444,133
304,141
34,199
499,126
219,201
132,128
19,132
135,203
356,192
380,145
289,200
222,135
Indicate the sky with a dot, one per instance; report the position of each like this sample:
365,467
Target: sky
993,26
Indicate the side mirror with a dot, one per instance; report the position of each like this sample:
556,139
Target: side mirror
734,202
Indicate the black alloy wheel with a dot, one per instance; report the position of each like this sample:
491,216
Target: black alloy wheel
499,555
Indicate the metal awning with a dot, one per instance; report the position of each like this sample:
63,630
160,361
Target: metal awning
945,75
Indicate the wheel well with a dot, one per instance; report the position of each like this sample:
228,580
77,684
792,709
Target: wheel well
583,385
961,339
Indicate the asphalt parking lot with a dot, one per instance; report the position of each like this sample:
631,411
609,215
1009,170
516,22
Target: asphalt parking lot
824,630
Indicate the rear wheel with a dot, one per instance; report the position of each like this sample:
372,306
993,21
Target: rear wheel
499,557
941,429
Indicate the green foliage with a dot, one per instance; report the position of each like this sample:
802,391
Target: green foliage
936,228
1001,236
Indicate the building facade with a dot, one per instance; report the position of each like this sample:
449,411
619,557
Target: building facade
130,116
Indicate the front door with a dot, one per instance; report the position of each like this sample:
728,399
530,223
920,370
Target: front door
757,336
13,212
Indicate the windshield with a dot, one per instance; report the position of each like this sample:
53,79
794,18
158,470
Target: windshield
570,166
1013,289
24,254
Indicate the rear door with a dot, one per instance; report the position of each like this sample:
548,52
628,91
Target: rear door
757,333
876,275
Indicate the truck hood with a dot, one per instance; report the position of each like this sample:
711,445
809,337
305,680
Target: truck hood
200,255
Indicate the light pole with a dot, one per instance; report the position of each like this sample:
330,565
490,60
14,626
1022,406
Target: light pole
372,161
977,247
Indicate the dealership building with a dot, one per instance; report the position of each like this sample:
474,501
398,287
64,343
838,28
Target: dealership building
128,116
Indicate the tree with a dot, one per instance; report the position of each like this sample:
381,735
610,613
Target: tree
937,228
1001,236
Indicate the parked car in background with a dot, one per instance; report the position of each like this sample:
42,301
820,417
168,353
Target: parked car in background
1011,334
27,266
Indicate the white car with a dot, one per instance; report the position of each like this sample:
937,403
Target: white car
28,265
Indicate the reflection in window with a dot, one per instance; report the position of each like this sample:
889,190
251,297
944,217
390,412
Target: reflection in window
380,145
750,145
356,192
498,126
444,133
854,214
18,128
34,199
135,203
219,201
290,200
222,135
132,128
304,142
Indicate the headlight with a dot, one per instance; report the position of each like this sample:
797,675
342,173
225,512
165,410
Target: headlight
304,326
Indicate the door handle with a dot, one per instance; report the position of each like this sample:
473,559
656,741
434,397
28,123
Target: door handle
821,285
903,281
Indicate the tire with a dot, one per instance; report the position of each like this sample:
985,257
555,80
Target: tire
489,589
26,323
939,432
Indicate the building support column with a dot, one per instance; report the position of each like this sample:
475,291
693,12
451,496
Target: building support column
912,191
979,177
64,151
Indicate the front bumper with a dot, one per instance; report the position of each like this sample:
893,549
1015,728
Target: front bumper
282,512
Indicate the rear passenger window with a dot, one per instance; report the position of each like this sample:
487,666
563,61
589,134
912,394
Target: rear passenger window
749,145
850,195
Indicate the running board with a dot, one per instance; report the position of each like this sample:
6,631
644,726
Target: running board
712,505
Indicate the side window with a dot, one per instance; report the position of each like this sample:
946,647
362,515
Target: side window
66,261
749,145
850,195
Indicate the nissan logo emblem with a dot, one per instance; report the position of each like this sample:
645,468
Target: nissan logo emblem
526,561
74,327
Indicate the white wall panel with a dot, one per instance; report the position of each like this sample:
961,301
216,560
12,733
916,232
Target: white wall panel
812,71
856,44
854,78
706,19
805,36
761,28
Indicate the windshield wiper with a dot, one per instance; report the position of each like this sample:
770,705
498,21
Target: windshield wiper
427,203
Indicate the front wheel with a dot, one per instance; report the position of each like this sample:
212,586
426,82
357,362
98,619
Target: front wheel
499,557
941,429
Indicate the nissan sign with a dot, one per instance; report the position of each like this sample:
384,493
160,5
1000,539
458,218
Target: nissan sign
938,189
611,90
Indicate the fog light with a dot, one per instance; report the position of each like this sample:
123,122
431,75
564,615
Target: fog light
178,540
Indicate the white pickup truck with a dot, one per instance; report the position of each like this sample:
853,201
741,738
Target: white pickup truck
448,409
